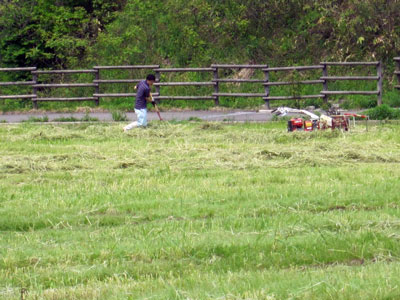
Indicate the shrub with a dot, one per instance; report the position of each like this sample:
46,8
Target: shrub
88,118
37,119
85,118
194,119
66,119
383,112
119,116
392,98
367,103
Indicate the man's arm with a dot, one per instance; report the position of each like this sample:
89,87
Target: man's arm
150,98
141,92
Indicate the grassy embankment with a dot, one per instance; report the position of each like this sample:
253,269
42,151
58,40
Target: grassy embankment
199,211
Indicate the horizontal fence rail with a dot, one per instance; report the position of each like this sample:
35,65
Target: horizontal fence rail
159,84
184,70
219,80
17,97
291,83
118,81
183,83
397,72
63,71
17,69
18,83
353,63
335,78
64,85
151,67
299,68
239,80
40,86
111,95
66,99
378,78
239,66
295,97
185,98
216,82
99,81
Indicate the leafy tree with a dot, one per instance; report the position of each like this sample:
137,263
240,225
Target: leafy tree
48,33
279,31
62,33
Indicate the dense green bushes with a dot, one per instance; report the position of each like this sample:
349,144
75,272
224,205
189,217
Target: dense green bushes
59,33
277,32
383,112
51,34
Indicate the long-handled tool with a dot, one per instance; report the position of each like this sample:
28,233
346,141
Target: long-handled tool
157,110
156,107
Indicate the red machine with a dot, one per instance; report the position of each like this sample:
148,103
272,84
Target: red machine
334,122
318,122
296,124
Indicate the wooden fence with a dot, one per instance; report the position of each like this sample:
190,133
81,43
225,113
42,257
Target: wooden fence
99,81
159,84
378,78
37,84
217,81
397,72
18,83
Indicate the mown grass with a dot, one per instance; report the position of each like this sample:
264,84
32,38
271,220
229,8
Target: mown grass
197,210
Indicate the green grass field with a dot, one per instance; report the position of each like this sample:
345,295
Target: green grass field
199,211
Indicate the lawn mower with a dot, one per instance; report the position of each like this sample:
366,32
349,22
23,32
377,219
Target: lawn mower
316,122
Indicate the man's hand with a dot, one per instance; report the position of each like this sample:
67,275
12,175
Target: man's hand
151,99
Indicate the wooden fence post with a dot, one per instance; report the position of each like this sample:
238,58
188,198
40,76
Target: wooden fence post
97,87
216,86
380,82
397,72
158,78
34,79
266,88
325,84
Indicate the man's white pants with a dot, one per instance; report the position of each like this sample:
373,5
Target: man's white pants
141,119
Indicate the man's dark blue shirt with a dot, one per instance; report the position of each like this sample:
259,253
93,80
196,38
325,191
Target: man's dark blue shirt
143,92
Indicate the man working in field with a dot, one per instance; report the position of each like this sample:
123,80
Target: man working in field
143,96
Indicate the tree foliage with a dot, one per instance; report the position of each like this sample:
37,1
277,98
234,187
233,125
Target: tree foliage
278,31
48,33
75,32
